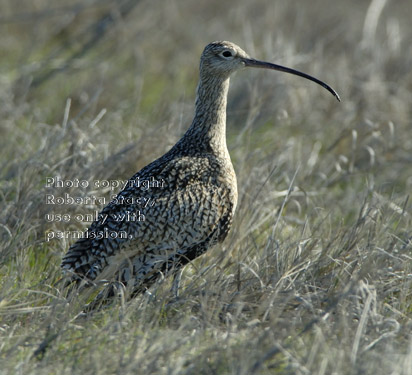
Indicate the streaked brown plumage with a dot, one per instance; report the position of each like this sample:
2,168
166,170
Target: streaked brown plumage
192,208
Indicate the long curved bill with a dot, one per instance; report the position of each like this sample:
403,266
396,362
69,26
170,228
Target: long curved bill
265,65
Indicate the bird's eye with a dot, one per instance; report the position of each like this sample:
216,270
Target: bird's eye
227,54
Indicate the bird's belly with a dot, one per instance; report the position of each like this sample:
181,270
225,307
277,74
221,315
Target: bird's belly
187,231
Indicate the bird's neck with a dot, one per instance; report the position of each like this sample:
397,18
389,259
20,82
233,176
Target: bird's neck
208,129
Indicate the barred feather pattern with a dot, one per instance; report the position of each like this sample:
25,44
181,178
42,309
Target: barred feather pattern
191,212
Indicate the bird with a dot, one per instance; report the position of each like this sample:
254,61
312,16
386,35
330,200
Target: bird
180,205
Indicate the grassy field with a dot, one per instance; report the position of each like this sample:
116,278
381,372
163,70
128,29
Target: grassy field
315,276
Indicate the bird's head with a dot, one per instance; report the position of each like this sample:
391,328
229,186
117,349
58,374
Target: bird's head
221,59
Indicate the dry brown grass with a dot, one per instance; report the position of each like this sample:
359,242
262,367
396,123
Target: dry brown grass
314,278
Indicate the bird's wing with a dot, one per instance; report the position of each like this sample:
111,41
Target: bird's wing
164,219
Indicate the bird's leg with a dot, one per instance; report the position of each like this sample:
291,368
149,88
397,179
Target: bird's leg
112,290
176,282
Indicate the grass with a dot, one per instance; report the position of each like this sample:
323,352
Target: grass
315,276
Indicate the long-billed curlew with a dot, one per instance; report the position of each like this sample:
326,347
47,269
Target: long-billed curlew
188,198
